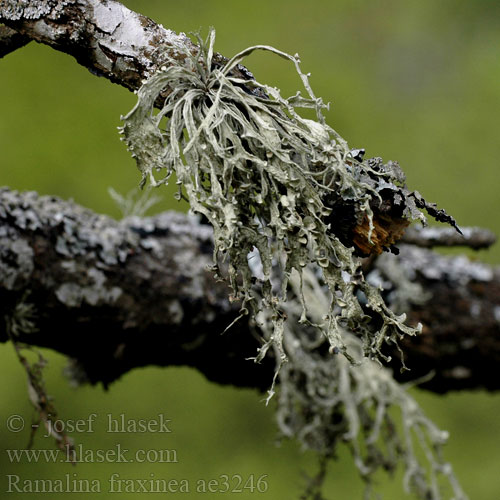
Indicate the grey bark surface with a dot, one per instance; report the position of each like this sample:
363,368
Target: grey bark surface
432,236
115,295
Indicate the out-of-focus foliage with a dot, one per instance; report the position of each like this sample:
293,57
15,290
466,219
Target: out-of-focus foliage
412,81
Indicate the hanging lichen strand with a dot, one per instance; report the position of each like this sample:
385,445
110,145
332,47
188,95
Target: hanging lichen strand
291,207
260,173
322,402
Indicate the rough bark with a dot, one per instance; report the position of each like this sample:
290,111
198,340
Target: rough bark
118,295
429,237
457,300
105,37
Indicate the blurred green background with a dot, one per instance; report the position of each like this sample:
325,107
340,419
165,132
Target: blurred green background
417,82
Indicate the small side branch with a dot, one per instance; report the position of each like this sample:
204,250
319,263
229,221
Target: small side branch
429,237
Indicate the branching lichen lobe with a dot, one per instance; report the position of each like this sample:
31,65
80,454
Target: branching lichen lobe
270,180
276,187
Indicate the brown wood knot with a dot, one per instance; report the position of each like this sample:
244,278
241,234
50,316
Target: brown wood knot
386,231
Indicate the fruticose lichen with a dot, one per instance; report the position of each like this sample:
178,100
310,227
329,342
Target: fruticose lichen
273,186
22,321
322,402
260,173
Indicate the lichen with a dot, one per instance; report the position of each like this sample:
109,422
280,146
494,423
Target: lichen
22,319
260,173
72,294
16,262
324,401
134,203
21,322
273,185
32,9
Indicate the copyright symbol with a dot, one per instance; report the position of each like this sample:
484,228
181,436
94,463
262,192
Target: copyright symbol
15,423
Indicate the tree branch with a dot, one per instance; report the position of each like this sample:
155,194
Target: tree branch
144,283
105,37
457,300
428,237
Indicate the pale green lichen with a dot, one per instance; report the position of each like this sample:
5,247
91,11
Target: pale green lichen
134,203
261,174
323,402
22,320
